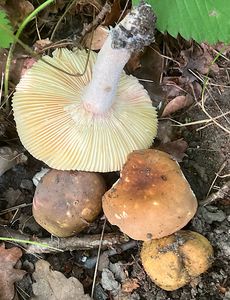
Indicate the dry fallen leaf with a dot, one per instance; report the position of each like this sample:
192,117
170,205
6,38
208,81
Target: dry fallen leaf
197,59
176,104
175,148
53,285
8,274
114,14
99,36
130,285
9,158
18,10
134,62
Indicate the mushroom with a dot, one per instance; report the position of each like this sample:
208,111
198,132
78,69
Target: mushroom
89,122
152,198
173,261
67,202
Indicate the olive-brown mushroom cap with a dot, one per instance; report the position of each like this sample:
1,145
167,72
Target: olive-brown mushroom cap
54,126
67,202
173,261
152,199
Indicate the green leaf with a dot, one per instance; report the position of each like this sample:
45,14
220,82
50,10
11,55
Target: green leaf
6,32
202,20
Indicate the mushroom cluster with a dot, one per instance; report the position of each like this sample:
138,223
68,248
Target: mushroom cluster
95,120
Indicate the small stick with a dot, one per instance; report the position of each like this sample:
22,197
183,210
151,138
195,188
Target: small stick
91,261
64,244
97,20
97,259
220,194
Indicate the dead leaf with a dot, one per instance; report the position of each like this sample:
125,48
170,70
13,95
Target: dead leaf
99,36
149,74
8,274
114,14
176,104
53,285
166,131
175,148
198,59
9,158
134,62
130,285
18,10
39,45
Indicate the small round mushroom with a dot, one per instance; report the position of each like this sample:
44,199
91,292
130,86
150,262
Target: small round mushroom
152,198
89,122
67,202
173,261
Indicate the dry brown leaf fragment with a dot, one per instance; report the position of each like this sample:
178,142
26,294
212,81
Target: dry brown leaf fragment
175,148
8,274
18,10
198,59
99,36
53,285
130,285
114,14
177,103
9,158
134,62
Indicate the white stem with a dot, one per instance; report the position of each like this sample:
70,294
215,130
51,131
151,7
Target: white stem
134,32
99,94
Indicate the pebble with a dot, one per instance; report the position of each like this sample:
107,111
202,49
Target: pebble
26,184
211,216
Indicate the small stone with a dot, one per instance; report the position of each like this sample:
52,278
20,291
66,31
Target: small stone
227,296
26,184
210,217
38,176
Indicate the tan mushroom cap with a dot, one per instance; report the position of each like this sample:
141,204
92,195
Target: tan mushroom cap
67,202
152,199
175,260
54,126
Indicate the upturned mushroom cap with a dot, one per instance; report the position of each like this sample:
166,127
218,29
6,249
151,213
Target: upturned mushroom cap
152,199
173,261
55,127
67,202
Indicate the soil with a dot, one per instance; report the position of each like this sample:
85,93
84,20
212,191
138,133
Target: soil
205,164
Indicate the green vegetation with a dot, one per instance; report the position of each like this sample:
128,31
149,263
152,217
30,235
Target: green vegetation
6,32
201,20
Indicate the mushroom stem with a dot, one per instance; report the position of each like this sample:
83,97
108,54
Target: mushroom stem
134,32
106,74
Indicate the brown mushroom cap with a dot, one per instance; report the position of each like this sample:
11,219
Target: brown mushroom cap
54,126
66,202
173,261
152,198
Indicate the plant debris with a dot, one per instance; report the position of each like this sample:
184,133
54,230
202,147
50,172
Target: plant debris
9,274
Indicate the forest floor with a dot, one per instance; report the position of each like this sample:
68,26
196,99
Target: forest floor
190,85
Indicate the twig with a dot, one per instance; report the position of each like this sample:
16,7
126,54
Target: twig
90,262
63,244
100,16
217,175
97,259
220,194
